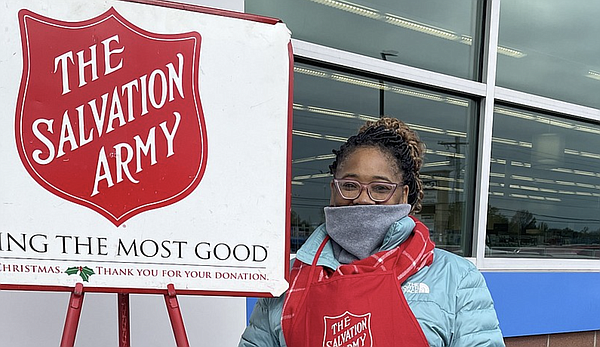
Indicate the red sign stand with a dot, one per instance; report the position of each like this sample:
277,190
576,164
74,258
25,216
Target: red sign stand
175,316
72,320
123,305
74,312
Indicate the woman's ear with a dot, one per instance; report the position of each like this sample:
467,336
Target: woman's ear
405,191
332,196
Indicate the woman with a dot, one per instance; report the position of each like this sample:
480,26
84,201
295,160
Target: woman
370,276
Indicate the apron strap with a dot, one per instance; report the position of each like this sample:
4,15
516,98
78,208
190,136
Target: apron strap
318,254
313,266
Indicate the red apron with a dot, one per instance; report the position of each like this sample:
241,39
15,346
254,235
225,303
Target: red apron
360,305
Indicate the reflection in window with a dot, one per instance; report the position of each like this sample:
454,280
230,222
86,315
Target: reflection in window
558,48
438,35
330,106
544,187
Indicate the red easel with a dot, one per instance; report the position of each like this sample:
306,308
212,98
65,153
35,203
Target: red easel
74,312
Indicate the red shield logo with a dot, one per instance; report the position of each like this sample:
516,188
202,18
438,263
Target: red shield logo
109,115
348,329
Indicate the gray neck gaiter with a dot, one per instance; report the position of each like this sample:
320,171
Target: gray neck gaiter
357,231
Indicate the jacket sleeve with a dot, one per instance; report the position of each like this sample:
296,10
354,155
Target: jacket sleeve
264,328
476,323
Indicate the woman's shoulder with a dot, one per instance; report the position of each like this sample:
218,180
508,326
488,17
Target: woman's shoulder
444,258
449,272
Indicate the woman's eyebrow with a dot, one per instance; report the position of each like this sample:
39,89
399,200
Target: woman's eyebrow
384,178
374,178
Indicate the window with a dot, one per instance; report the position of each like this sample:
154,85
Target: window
437,35
555,49
330,106
544,193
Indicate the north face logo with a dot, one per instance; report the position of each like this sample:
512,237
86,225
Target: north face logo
415,288
348,330
109,115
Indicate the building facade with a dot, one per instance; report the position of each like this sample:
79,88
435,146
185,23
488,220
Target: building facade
506,95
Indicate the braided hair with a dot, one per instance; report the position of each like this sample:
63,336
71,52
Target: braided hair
394,138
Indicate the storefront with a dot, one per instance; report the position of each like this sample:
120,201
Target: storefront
505,95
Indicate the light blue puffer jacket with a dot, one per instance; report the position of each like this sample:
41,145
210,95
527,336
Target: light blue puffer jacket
449,298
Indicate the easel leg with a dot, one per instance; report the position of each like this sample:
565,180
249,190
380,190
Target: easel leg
124,332
175,316
72,319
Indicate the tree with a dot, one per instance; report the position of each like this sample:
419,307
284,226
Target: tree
521,221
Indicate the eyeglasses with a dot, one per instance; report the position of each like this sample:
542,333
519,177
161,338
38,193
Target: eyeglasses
378,191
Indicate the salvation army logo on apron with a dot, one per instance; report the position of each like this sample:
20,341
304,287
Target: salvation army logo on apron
348,330
108,114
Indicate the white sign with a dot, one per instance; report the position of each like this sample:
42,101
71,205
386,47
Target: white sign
143,145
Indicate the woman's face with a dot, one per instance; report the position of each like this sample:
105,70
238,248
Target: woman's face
366,165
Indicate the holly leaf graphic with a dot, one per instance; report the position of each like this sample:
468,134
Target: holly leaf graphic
72,270
85,273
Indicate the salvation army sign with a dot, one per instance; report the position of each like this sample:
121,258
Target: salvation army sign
111,118
144,145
